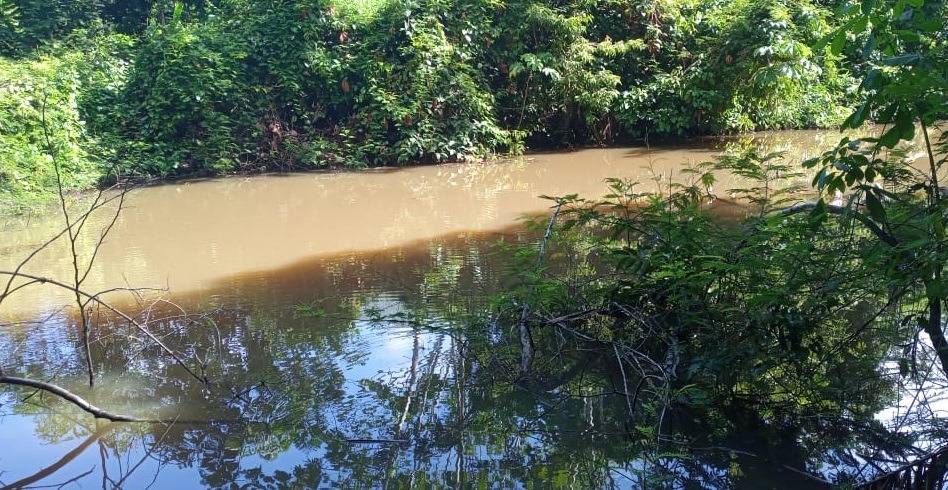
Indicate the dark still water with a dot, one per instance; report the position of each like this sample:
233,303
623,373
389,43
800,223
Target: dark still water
340,322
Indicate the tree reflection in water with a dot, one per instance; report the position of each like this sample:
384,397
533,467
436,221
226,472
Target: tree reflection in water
373,383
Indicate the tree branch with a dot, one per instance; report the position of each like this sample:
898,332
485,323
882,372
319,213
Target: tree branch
844,211
72,398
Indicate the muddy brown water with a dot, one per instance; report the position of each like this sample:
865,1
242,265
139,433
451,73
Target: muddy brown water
184,236
307,292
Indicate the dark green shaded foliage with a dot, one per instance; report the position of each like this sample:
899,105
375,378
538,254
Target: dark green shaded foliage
27,24
183,97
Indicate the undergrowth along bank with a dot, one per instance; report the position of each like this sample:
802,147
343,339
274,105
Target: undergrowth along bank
195,88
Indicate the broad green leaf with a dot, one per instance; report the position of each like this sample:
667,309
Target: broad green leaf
905,123
839,41
891,137
938,226
901,60
929,26
875,207
908,36
857,118
869,45
818,214
820,179
936,290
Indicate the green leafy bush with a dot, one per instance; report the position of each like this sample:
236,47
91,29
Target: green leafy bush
40,118
774,313
184,101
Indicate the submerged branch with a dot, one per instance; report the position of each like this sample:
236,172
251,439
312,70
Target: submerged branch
526,342
72,398
844,211
925,472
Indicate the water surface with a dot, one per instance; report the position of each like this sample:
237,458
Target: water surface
326,312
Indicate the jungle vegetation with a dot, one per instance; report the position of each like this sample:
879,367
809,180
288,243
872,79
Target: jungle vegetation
168,88
806,318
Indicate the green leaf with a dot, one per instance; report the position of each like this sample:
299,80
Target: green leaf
867,6
858,118
871,80
890,138
818,214
869,45
929,26
875,207
908,36
936,290
820,179
839,41
905,124
901,60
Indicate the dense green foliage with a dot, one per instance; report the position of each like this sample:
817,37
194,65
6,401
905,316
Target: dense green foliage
779,316
35,96
797,312
236,85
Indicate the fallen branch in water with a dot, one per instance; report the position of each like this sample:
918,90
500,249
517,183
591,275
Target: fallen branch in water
72,398
929,471
844,211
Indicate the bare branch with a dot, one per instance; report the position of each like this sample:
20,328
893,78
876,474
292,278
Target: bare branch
95,298
72,398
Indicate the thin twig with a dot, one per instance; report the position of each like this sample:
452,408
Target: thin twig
126,317
526,341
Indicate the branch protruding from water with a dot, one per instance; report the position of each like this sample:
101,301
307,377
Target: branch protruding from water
72,398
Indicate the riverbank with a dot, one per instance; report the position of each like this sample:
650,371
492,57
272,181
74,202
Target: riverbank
247,88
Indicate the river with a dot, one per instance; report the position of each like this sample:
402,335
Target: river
325,311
